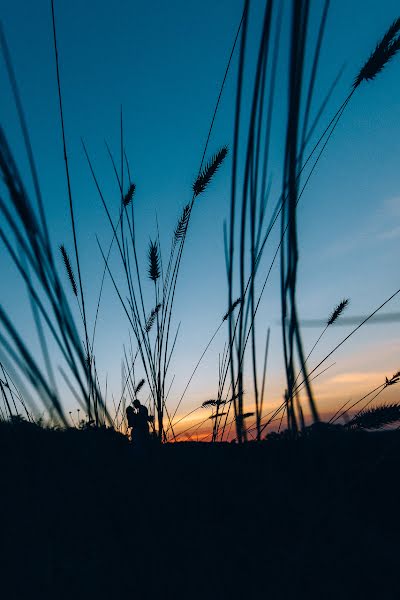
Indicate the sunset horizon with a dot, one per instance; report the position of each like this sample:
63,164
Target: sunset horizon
199,310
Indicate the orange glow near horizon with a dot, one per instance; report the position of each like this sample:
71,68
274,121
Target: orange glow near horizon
330,395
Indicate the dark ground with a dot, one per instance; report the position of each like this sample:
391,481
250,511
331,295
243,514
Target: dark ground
82,515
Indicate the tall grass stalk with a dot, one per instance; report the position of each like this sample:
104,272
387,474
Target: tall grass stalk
71,206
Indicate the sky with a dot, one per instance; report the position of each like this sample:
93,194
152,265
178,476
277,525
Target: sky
164,62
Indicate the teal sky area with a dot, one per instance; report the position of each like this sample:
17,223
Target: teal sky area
163,61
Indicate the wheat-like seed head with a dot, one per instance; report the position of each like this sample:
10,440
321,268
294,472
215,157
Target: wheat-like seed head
247,415
376,418
154,261
182,224
337,311
213,403
209,170
232,308
394,379
208,403
88,360
69,270
139,386
127,199
383,53
152,317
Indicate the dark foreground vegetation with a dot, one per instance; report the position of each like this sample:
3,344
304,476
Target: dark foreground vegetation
84,514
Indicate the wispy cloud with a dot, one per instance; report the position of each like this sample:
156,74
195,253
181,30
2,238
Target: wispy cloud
390,234
358,377
376,228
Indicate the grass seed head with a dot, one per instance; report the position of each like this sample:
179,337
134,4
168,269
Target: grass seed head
152,317
376,418
337,311
232,308
209,170
127,199
386,49
182,224
139,386
69,270
154,261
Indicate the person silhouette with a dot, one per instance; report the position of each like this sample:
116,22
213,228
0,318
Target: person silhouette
138,419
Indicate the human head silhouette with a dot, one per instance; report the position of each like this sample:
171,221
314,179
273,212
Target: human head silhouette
136,403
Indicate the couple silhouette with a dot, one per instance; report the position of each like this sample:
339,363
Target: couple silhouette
138,420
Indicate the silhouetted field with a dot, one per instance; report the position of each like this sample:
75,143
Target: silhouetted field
310,513
82,516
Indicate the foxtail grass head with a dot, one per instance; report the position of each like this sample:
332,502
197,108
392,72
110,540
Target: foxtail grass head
154,261
182,224
152,317
232,308
394,379
209,170
139,386
376,418
127,199
68,268
247,415
213,403
386,49
337,312
88,360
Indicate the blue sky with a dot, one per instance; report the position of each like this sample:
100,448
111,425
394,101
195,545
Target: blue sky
163,61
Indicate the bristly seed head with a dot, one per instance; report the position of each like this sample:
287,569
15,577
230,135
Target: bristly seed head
337,312
154,261
68,268
127,199
232,308
213,403
182,224
376,418
208,171
139,386
394,379
383,53
152,317
248,415
88,360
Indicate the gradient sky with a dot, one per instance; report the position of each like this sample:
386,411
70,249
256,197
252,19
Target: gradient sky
164,61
